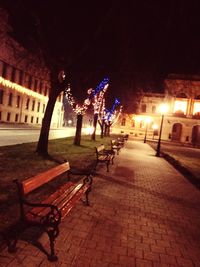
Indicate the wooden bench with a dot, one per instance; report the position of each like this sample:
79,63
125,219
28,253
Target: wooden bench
104,156
116,145
48,213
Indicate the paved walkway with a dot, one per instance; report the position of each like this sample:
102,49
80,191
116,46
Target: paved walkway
143,213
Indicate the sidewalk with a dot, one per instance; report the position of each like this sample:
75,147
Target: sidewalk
143,213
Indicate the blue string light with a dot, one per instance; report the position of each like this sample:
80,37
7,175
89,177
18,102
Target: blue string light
110,112
101,86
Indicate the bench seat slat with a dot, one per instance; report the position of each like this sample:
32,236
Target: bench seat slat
60,198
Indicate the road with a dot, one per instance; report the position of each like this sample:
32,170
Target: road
15,136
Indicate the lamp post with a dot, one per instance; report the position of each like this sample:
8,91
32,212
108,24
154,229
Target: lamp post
163,110
148,119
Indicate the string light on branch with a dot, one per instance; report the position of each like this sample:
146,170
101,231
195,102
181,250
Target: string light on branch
93,96
77,108
111,116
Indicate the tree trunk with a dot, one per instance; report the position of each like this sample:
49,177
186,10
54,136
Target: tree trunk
102,126
77,138
93,136
42,146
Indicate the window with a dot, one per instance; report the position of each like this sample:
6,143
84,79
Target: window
153,109
8,116
41,85
1,96
16,117
35,85
43,110
30,82
37,120
133,123
144,108
38,107
4,70
10,99
27,103
13,74
123,122
31,119
45,90
26,118
18,102
33,105
21,76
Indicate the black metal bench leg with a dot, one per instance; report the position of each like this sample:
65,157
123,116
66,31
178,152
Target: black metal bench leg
52,256
86,197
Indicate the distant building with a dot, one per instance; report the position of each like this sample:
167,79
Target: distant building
24,83
181,121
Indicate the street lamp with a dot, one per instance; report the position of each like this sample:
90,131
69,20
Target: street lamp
148,120
163,109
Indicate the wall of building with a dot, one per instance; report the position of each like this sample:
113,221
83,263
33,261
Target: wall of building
181,122
24,83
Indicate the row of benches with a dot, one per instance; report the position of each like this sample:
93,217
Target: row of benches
107,155
48,213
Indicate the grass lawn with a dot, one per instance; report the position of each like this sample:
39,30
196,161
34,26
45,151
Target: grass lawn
21,162
186,159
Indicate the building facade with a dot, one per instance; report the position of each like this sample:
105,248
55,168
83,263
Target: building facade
24,83
181,120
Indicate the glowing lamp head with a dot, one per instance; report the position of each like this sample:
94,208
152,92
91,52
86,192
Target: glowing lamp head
163,108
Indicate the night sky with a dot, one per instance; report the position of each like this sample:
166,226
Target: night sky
134,43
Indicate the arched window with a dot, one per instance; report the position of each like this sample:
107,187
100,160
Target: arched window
123,122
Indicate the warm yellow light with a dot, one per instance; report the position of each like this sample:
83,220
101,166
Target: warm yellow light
148,120
196,107
180,105
138,119
21,89
154,126
163,108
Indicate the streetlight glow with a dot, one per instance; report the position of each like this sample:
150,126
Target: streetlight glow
147,120
163,108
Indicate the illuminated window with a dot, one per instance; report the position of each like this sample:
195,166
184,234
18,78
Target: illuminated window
180,106
196,109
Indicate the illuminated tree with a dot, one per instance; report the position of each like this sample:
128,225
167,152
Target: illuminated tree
111,116
98,103
79,110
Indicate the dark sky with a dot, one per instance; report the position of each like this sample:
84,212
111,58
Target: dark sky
134,43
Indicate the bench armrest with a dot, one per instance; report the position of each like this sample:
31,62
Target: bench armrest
52,217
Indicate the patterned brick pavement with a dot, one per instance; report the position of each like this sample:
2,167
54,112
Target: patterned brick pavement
143,213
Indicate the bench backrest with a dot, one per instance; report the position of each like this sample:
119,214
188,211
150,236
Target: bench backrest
100,148
113,142
34,182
